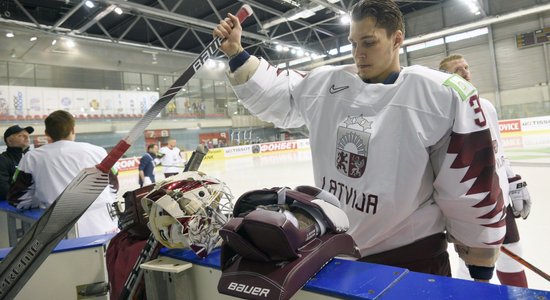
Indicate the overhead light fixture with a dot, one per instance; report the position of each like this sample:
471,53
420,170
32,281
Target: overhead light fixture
12,53
90,4
473,5
54,42
345,19
70,43
33,38
10,34
118,10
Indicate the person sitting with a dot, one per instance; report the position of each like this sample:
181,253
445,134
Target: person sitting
17,142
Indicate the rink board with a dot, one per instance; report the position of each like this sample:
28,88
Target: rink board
73,264
340,278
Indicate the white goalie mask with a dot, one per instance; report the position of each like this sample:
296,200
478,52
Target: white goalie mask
187,210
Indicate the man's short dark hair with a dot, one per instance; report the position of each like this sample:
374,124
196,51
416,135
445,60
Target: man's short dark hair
150,147
59,125
386,13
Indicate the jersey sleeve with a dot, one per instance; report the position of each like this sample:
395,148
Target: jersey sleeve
21,192
466,186
268,93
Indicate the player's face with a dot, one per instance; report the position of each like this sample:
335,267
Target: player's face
155,149
460,67
376,55
19,140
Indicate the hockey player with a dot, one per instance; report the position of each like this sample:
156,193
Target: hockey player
171,158
17,141
509,272
147,164
45,172
406,150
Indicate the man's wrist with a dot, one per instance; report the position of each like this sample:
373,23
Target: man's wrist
238,60
241,49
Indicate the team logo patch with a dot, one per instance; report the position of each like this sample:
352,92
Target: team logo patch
352,145
461,86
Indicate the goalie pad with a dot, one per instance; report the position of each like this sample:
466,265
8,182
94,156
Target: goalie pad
279,239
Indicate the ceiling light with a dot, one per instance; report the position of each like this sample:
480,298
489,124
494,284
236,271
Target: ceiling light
279,48
12,54
90,4
118,10
10,34
33,38
344,19
54,42
70,44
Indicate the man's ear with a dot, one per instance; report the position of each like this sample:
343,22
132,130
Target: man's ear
50,140
398,39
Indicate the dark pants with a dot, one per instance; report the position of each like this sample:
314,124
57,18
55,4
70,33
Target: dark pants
512,233
427,255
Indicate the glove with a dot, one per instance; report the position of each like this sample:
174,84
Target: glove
519,196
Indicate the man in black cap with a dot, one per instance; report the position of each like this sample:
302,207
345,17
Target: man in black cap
17,140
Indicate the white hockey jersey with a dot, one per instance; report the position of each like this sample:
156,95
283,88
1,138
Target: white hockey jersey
504,170
54,166
407,160
172,160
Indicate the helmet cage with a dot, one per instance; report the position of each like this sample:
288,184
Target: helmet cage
187,210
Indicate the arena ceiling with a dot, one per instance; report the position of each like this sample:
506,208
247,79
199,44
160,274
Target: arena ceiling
186,25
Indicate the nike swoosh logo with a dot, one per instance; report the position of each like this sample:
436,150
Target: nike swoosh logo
334,90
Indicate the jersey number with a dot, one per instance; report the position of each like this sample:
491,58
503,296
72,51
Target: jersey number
480,116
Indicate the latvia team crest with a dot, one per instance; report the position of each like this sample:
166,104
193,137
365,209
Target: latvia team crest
352,145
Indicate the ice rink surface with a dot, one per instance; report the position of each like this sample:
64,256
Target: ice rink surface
530,158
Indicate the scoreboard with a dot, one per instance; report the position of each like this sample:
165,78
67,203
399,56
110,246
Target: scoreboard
537,37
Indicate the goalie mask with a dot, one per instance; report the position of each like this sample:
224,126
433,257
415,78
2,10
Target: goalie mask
187,210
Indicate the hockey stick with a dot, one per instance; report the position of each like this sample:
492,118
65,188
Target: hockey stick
525,263
31,251
152,246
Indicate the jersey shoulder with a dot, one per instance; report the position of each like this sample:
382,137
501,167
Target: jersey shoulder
463,88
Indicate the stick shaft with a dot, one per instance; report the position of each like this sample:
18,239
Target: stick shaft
525,263
116,153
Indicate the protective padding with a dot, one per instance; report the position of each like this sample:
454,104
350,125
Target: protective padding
276,243
253,279
273,234
236,243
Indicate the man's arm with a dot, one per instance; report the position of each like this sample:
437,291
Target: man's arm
5,178
141,175
467,187
21,192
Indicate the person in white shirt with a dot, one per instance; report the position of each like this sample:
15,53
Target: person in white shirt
171,159
45,172
509,271
393,144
